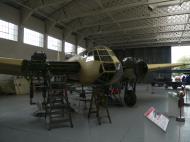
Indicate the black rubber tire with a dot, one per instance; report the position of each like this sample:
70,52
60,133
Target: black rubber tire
130,98
174,87
166,86
153,84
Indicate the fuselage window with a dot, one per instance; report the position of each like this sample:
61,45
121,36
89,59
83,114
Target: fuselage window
103,52
96,57
90,56
83,54
104,56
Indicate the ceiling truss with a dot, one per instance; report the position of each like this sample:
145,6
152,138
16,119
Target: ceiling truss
116,23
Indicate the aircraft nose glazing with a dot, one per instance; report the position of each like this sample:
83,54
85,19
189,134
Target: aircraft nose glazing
109,72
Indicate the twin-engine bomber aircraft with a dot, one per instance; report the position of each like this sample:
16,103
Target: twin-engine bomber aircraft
97,66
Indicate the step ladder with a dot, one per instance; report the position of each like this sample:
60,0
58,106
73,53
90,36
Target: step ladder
100,100
58,110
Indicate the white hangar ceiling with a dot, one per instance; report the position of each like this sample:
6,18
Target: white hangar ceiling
115,23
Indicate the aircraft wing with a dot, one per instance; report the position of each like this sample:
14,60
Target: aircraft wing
154,67
185,71
20,66
10,66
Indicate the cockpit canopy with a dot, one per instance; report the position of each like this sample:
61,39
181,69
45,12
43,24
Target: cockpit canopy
98,54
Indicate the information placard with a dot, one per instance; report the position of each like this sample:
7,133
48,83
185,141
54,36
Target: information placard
159,119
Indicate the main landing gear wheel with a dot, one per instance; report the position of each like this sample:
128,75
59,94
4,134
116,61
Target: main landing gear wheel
174,87
130,98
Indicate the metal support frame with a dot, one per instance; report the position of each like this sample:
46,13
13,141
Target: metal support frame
57,104
107,33
76,43
20,29
100,100
63,44
50,22
109,15
36,5
86,43
152,44
139,37
164,35
128,19
185,26
114,8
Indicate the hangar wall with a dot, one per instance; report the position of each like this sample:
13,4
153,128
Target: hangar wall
18,49
151,55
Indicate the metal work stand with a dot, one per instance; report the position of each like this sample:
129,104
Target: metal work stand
52,77
101,101
40,83
83,97
57,105
115,95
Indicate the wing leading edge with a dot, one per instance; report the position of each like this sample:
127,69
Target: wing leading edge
154,67
10,66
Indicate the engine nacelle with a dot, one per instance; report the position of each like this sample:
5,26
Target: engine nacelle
134,69
141,69
129,69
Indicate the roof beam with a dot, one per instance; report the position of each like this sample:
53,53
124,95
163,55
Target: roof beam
43,15
134,28
160,30
50,21
144,39
164,40
25,15
35,5
107,12
173,43
57,14
39,4
110,9
184,29
115,38
53,2
157,38
133,19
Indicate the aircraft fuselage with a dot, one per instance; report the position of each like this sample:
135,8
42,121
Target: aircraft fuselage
98,65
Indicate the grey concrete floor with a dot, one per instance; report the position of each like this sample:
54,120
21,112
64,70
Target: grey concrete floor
128,124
